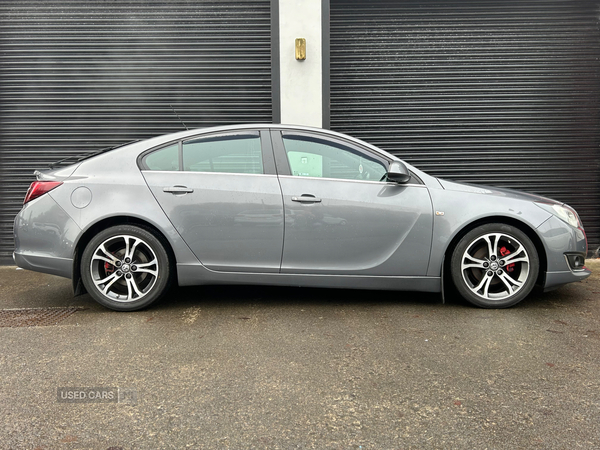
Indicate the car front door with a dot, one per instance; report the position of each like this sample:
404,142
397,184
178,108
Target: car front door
340,218
222,195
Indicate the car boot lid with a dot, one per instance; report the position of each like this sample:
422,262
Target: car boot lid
57,174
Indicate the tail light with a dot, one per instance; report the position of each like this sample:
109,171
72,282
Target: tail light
39,188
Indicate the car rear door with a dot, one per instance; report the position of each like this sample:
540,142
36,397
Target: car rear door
222,195
340,218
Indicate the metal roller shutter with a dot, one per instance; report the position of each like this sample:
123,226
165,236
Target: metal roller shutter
78,75
502,93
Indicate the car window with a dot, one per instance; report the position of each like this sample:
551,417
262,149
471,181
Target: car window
166,158
227,154
324,159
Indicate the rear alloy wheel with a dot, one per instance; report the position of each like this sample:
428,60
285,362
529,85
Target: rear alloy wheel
495,266
125,268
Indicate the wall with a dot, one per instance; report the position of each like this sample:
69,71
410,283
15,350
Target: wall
301,82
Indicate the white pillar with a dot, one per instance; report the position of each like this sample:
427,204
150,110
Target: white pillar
301,82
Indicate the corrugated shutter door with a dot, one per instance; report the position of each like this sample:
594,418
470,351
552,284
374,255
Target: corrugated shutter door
502,93
78,75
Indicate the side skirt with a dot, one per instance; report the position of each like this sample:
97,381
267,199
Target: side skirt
195,274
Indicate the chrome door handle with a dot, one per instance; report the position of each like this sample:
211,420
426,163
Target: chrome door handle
306,199
178,190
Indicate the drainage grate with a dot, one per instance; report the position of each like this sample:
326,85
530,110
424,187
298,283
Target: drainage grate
34,317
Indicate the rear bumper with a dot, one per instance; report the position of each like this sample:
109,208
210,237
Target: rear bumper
44,238
45,264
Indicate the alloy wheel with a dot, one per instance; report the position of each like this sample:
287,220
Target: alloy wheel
495,266
124,268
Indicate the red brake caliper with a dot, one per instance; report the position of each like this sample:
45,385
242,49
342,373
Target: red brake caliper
504,252
108,268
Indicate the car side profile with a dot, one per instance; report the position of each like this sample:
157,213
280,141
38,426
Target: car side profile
286,205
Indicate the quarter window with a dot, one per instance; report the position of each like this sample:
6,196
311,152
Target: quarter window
166,158
325,159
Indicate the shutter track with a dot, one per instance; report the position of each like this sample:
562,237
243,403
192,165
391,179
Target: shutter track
76,76
499,93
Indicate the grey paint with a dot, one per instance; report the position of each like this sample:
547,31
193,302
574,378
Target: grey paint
194,274
115,193
46,237
231,223
385,237
359,227
463,204
556,237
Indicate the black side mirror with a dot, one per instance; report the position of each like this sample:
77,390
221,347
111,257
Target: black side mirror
397,173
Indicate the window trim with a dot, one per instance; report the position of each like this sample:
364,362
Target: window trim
282,160
223,136
268,159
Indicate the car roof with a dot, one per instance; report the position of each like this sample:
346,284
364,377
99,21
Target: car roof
254,126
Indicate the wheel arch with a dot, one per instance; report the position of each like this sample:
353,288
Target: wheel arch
524,227
87,235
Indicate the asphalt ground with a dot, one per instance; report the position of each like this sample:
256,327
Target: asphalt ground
289,368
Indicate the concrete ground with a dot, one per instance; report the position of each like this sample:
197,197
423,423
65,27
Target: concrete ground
289,368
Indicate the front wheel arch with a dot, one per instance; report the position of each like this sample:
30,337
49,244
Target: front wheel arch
522,226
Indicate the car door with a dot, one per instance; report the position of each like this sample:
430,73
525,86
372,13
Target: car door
222,195
340,218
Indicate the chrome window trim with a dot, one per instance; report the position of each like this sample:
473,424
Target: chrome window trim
383,183
188,172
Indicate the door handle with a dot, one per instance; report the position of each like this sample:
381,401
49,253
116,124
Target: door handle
178,190
306,198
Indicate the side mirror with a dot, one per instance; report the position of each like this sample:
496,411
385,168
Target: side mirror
397,173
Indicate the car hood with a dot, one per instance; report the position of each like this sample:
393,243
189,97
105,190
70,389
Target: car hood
495,191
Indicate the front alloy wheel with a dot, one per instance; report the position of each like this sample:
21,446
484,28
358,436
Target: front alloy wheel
125,268
495,266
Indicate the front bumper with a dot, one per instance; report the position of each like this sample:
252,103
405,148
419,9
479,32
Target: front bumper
560,240
557,279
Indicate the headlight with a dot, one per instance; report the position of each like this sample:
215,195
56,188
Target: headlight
567,214
563,212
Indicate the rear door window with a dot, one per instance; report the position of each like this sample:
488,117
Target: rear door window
239,153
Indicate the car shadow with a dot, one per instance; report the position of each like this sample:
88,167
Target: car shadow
215,296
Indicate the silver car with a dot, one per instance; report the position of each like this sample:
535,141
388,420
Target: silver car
282,205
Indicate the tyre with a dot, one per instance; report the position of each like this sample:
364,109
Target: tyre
495,266
126,268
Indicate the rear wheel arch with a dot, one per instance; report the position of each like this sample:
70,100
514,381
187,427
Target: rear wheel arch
103,224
